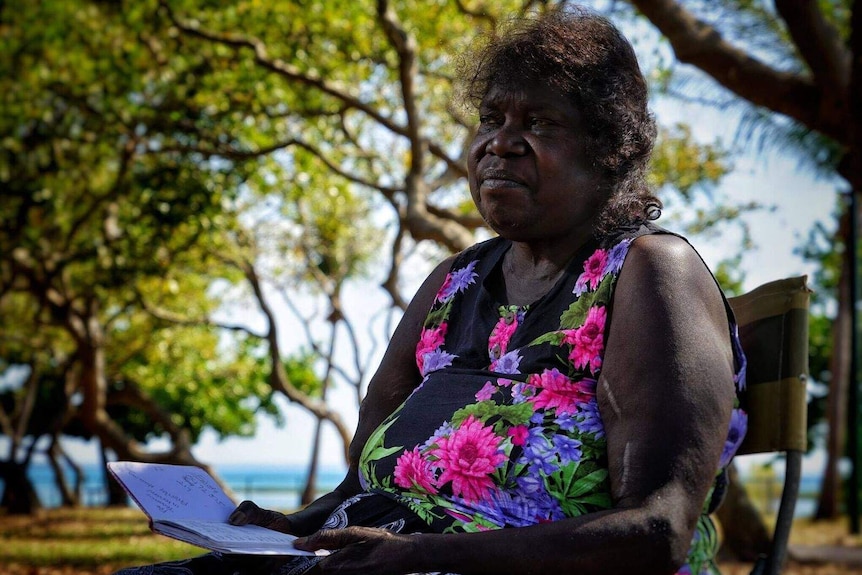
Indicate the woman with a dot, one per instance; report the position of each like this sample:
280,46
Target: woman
564,406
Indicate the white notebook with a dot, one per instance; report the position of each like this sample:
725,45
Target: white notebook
186,503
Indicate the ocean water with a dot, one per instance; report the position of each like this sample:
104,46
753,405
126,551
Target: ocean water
270,486
280,486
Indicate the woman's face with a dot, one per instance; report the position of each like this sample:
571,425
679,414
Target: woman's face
528,171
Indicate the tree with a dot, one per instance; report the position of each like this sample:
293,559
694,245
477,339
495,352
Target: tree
807,74
169,160
93,218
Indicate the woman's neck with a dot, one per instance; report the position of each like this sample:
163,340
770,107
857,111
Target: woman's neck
529,274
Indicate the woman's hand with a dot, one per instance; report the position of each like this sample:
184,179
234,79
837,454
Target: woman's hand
248,513
363,550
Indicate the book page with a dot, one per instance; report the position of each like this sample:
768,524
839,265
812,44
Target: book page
232,538
173,492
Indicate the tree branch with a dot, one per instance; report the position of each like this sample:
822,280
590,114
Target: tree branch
696,42
818,42
293,73
280,67
278,376
478,14
232,153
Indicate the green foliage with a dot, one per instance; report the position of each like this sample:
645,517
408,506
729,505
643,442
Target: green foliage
300,370
103,210
681,164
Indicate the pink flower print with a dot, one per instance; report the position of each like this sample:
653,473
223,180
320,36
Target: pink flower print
462,517
429,340
588,341
412,470
594,271
445,289
486,392
498,342
518,434
467,458
556,391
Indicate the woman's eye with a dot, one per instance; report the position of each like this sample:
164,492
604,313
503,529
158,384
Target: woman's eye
539,123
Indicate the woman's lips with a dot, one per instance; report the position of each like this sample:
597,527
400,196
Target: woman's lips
498,179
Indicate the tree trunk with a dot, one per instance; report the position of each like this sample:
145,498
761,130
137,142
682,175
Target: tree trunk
68,496
745,536
836,402
310,491
19,496
116,494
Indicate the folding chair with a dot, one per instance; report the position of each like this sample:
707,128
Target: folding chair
773,329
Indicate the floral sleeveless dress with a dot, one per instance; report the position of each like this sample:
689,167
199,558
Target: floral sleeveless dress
504,430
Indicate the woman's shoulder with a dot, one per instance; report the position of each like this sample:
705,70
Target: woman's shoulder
661,253
664,271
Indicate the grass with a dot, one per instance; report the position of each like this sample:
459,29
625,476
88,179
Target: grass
93,541
83,541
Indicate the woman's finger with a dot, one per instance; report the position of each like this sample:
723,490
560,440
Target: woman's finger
248,513
244,513
338,538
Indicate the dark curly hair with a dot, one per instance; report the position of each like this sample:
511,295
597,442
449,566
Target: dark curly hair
584,56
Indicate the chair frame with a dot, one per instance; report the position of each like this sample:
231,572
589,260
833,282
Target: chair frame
773,321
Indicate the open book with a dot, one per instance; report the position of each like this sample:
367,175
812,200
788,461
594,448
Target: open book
186,503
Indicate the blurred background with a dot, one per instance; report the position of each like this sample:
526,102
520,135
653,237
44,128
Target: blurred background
213,213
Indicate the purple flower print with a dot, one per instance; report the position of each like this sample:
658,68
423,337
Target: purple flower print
735,435
568,448
457,281
442,431
589,420
739,378
539,454
530,484
581,286
566,422
437,359
508,363
522,391
616,257
537,504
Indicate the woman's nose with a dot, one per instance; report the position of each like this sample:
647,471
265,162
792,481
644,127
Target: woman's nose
507,141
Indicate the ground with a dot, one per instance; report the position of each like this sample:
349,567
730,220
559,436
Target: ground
98,541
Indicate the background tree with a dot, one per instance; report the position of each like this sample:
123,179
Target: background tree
174,170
